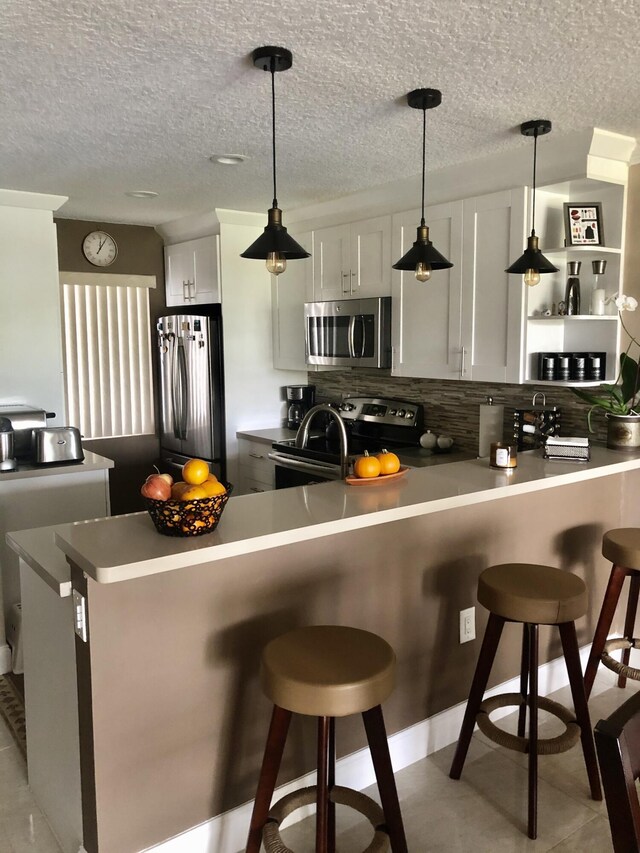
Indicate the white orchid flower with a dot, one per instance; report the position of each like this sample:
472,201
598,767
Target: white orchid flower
623,302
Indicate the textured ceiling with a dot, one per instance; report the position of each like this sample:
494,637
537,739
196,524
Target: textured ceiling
98,99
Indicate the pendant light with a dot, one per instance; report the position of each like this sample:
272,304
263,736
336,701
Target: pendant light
532,264
274,245
422,257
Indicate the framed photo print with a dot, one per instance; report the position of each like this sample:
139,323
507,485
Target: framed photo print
583,224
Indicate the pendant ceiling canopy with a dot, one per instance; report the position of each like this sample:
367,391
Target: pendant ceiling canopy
274,245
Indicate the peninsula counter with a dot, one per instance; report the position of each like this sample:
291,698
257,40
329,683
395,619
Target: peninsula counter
172,720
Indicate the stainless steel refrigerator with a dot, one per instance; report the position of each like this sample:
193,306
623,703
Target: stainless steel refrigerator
191,390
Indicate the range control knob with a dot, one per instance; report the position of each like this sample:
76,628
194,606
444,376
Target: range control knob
409,415
392,412
400,413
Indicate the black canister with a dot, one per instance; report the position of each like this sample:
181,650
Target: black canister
564,367
594,367
548,368
578,366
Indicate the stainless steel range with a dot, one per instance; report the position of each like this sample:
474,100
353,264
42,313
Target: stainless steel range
330,437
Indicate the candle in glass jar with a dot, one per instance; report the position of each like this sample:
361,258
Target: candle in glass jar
503,455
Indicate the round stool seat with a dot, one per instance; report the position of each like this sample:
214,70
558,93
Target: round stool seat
622,547
523,592
328,671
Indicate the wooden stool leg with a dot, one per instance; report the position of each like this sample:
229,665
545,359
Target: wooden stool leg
331,818
572,658
533,731
524,681
274,748
322,800
379,748
611,596
630,621
478,686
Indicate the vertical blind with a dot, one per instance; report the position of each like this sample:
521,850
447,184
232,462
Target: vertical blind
107,353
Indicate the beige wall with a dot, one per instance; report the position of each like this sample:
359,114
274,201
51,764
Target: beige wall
140,252
632,251
179,718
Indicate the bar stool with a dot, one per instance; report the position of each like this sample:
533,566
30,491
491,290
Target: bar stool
622,548
533,595
327,671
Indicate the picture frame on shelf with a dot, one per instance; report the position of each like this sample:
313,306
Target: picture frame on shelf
583,224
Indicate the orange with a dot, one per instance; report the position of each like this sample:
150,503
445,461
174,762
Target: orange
366,466
195,471
212,477
193,493
177,489
213,488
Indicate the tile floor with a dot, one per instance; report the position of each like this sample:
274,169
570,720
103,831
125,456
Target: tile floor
485,811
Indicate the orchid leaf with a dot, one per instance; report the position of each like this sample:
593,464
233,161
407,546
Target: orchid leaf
630,373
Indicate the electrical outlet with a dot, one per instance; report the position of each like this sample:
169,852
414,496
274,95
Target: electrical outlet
467,624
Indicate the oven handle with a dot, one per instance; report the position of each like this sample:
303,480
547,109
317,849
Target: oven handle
302,465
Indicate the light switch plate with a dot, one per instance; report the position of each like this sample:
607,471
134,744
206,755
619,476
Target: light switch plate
467,624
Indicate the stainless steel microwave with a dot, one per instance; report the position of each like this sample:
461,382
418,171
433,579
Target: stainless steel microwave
349,332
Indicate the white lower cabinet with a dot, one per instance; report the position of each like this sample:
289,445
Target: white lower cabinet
257,471
466,322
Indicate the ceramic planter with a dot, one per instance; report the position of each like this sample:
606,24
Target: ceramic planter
623,432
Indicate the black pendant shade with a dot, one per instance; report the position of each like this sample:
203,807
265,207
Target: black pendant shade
422,252
423,257
532,263
274,245
275,238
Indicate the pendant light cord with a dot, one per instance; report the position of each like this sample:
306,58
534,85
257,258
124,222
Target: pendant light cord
424,143
273,134
533,203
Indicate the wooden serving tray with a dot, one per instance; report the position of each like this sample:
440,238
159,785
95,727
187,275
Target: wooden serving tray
381,478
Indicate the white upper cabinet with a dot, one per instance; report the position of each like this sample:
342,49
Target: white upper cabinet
191,272
426,316
289,292
465,322
493,300
352,261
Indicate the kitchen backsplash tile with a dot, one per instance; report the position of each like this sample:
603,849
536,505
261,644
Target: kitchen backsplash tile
453,407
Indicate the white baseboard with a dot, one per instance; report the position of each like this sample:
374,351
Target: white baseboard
5,659
227,833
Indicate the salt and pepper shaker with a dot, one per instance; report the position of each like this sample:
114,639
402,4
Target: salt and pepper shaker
597,294
572,291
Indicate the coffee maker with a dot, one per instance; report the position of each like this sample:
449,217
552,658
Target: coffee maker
300,398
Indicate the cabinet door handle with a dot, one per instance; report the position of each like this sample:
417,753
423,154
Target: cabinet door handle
192,284
256,455
346,288
463,361
185,291
353,275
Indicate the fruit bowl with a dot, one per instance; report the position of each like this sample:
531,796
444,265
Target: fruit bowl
188,518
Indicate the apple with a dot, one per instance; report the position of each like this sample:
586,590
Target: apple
167,477
156,487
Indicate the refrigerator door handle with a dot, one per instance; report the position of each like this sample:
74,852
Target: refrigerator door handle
184,391
174,385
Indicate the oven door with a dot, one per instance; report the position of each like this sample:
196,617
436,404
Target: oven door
293,471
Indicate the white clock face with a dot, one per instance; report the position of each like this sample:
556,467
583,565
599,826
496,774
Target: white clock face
100,248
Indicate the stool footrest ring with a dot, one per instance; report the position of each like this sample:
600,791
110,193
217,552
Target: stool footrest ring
546,746
367,807
617,666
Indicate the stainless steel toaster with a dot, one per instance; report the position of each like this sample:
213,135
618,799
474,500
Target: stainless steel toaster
57,444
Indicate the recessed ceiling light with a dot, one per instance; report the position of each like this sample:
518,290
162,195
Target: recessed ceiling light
228,159
142,194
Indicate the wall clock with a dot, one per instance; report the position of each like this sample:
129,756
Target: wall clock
99,248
